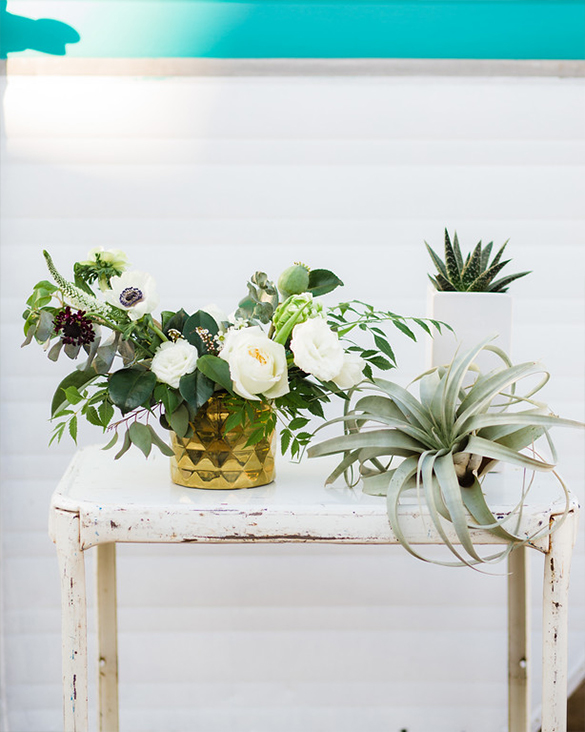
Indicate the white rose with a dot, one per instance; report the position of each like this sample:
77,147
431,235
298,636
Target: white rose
173,360
351,372
134,292
257,364
317,349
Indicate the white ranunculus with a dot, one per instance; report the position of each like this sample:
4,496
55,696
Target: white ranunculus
317,349
173,360
351,372
257,364
134,292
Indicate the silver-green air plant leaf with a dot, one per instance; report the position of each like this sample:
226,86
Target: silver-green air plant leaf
475,273
445,442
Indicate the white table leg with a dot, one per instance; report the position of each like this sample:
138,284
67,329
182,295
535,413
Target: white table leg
519,661
73,618
555,626
107,638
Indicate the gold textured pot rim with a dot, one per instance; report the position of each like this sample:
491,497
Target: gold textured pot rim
213,460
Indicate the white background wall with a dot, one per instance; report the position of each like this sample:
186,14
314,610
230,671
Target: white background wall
202,181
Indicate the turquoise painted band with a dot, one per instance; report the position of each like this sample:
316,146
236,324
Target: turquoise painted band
475,29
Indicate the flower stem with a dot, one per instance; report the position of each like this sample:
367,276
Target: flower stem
158,331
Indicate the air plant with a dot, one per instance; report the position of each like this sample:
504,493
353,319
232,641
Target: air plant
475,273
447,441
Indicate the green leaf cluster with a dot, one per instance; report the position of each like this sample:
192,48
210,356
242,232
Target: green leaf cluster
245,414
447,440
39,314
89,393
88,272
305,399
475,273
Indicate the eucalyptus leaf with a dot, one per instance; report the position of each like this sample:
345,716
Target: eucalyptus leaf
71,351
127,351
111,443
125,446
141,436
46,326
55,351
161,444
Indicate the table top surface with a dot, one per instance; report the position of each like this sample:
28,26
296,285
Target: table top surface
134,499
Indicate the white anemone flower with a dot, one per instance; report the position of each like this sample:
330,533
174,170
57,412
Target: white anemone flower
134,292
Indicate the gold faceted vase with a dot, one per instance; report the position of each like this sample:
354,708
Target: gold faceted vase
212,459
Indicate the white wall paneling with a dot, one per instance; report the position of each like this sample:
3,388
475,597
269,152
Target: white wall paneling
202,181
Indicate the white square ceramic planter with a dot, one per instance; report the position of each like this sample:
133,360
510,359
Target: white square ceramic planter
473,316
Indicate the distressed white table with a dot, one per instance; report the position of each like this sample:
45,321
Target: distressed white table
100,502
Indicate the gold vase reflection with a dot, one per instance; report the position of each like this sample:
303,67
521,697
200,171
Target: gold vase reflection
212,459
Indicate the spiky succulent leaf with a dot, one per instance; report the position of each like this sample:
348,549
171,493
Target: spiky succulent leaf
472,269
502,284
453,264
500,253
456,250
437,261
481,283
485,256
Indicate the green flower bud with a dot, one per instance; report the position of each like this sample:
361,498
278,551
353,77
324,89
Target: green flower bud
295,309
294,280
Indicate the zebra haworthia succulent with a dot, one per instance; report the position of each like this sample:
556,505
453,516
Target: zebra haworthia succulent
475,273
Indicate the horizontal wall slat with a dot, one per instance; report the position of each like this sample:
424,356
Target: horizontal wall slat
297,109
336,153
321,192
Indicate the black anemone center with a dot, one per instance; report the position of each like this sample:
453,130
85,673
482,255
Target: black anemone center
130,296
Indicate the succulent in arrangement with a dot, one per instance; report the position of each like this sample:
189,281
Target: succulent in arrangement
475,273
447,441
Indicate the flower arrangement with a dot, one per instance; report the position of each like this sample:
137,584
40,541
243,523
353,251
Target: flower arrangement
288,350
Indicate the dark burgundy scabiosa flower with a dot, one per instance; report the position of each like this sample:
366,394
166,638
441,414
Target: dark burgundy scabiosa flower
75,328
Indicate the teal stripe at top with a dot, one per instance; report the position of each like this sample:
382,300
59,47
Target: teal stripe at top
490,29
